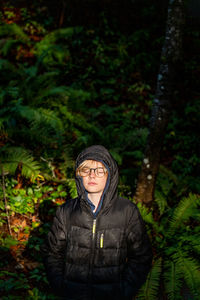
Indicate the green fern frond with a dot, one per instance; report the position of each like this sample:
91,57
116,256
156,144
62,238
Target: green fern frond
68,161
2,123
51,50
72,187
37,86
77,98
164,184
50,92
168,173
161,201
44,120
48,117
192,240
54,36
191,274
77,120
187,208
6,65
147,216
13,30
32,73
149,290
7,46
2,96
172,280
197,248
15,156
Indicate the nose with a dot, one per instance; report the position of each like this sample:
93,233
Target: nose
92,173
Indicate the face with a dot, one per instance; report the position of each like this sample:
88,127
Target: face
91,182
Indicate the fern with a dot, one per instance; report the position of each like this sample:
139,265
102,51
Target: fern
54,36
12,157
172,279
186,209
77,98
40,120
7,46
51,92
161,201
176,244
14,30
191,273
45,116
193,241
72,187
52,51
68,161
148,216
7,69
37,86
196,247
168,173
150,289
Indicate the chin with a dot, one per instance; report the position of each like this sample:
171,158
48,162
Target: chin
92,191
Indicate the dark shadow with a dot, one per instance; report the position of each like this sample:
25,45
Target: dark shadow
33,253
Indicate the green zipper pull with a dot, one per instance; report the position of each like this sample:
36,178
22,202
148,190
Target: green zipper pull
101,241
93,228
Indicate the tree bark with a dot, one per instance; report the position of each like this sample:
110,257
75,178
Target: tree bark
62,13
170,57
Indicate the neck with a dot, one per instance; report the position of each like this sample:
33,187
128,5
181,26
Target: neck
95,198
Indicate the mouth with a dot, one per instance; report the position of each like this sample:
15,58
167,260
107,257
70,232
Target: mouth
92,183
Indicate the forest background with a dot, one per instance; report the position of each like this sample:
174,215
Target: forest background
77,73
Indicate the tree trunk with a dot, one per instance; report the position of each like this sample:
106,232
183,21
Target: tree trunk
62,13
170,57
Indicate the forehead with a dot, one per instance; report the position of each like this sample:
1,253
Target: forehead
92,163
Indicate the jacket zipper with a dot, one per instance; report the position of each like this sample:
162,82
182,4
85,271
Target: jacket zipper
94,229
93,246
92,254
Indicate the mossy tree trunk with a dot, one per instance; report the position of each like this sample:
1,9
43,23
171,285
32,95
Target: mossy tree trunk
170,58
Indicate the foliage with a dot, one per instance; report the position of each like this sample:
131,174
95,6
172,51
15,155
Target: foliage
71,117
176,241
92,82
31,210
27,200
83,85
13,157
12,283
150,289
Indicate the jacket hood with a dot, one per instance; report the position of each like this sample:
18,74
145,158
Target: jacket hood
101,154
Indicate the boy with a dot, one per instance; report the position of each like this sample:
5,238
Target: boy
97,247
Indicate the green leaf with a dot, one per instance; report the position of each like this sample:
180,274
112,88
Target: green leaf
12,157
191,273
14,30
186,209
172,279
150,289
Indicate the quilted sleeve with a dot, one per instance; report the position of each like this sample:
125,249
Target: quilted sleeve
53,251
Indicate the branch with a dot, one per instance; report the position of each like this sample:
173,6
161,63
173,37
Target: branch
5,200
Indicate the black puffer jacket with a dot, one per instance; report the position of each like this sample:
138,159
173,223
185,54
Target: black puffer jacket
98,257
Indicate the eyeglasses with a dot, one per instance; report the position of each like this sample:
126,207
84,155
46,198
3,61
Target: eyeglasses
99,172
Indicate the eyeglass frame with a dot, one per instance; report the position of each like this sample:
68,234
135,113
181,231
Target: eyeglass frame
94,169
